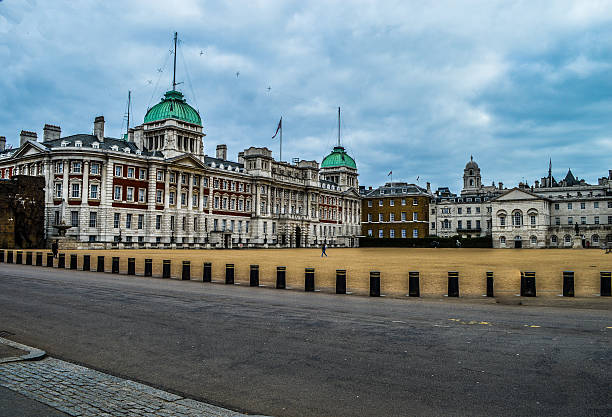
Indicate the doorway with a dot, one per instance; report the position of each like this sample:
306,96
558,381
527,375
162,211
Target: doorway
518,243
298,237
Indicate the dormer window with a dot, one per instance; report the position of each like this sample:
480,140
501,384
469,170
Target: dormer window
95,145
64,143
78,143
127,150
114,148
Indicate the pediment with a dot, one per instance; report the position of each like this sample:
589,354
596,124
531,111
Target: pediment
30,148
187,160
518,194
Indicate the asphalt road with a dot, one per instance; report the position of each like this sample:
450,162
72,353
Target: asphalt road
289,353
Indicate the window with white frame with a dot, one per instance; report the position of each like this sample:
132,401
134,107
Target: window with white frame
74,218
158,220
160,175
93,191
75,190
369,203
404,233
392,233
171,197
93,218
370,232
159,196
380,203
58,190
502,240
129,194
140,221
415,216
415,232
534,240
95,169
128,221
533,219
142,195
116,220
517,219
403,216
118,171
380,234
130,172
392,202
415,201
380,217
76,167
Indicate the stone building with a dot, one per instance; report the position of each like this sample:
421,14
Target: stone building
467,215
156,187
396,210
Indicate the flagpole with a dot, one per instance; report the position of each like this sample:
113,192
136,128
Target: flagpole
281,141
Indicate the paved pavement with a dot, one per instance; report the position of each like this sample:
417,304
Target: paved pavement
289,353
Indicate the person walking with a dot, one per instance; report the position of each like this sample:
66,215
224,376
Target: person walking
55,248
323,250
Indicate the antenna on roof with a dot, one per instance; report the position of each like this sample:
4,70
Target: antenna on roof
174,72
338,125
128,112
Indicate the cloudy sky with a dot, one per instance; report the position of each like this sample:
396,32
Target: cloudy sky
422,85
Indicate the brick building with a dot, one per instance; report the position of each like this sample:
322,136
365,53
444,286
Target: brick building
396,210
22,211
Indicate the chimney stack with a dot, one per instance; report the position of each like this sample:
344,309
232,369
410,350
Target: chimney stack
26,136
99,128
222,152
429,187
51,132
610,174
2,143
241,157
501,185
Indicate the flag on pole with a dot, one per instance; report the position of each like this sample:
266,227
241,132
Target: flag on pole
418,178
390,173
280,126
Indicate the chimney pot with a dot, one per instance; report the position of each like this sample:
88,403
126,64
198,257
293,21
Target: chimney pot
2,143
26,136
501,185
51,132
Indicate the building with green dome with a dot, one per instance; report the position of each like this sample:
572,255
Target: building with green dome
340,168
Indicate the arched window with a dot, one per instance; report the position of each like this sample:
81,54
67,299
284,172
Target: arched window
567,238
502,220
595,238
517,218
554,239
502,240
471,172
534,240
472,182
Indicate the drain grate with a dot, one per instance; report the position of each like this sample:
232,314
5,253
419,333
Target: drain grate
5,333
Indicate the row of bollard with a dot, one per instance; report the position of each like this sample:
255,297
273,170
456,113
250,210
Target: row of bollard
527,285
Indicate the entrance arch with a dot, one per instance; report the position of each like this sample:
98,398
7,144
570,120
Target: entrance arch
518,243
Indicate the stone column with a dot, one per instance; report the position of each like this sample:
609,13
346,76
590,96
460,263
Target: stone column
66,167
151,203
179,191
85,187
201,195
190,193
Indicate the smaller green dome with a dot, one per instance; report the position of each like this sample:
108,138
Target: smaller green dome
173,106
338,158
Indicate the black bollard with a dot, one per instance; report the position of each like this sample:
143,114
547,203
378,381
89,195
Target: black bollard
148,272
86,262
414,287
19,260
9,257
340,281
309,279
254,276
166,264
49,260
186,276
28,258
606,284
115,265
207,272
73,261
453,284
1,256
131,266
61,260
374,284
490,284
568,283
281,273
100,267
229,273
528,284
39,259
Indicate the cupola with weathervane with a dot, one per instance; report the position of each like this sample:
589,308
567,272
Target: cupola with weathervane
172,127
339,167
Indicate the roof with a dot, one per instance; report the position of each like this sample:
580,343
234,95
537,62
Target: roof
397,189
570,180
471,164
88,140
338,158
173,106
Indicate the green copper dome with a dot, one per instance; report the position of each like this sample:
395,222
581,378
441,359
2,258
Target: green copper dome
173,106
338,158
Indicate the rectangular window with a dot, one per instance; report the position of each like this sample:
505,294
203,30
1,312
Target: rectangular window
391,202
247,226
392,233
194,200
142,173
130,194
596,219
195,224
224,201
160,175
232,223
216,202
415,216
570,220
93,219
469,224
183,179
380,234
380,217
433,225
596,204
205,201
142,192
477,224
469,210
459,210
172,223
583,220
159,196
609,204
556,206
370,232
415,232
76,190
74,218
76,167
117,195
415,202
58,190
93,191
569,206
158,220
184,223
118,171
172,198
130,172
477,209
173,177
116,220
128,221
502,221
369,203
403,216
140,221
59,168
582,206
459,224
404,233
380,203
183,199
558,221
609,219
392,217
